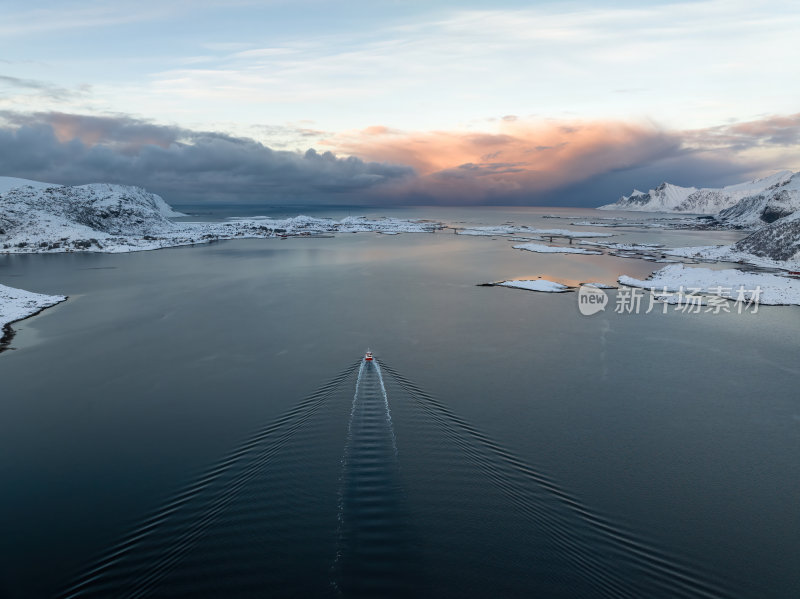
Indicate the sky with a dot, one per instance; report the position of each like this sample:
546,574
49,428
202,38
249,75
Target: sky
399,101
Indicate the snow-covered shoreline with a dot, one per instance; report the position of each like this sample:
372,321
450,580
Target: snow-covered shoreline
71,238
541,285
18,304
524,230
760,287
553,249
43,218
776,245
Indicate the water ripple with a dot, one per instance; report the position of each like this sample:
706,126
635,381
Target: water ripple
134,567
615,562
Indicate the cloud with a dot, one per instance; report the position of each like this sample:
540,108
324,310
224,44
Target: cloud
181,164
75,16
553,57
17,82
556,148
42,88
768,131
516,162
122,132
574,163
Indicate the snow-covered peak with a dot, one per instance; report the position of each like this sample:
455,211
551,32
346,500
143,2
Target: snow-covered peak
777,201
108,194
51,215
756,185
8,183
674,198
100,195
664,198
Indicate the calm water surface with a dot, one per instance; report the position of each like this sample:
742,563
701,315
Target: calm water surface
196,422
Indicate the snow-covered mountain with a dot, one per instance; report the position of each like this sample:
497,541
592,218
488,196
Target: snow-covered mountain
776,245
673,198
777,241
38,217
776,202
7,183
54,215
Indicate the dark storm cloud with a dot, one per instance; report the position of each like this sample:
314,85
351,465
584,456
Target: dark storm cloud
580,164
181,165
685,168
121,132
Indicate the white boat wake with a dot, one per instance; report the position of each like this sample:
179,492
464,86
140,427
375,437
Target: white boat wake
373,548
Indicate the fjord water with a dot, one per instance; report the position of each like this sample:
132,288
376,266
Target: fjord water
189,423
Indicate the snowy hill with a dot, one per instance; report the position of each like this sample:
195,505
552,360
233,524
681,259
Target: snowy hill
673,198
55,215
777,241
98,195
7,183
38,217
664,198
775,202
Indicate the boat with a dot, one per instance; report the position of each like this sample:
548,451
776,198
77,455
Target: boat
368,356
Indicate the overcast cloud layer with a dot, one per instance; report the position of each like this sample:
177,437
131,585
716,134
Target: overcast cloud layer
181,165
515,162
363,102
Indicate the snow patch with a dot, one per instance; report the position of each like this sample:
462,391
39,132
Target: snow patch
16,304
598,285
729,283
524,230
550,249
542,285
8,183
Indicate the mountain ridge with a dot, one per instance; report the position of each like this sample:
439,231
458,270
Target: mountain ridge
668,197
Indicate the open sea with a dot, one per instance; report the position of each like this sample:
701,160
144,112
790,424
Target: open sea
199,422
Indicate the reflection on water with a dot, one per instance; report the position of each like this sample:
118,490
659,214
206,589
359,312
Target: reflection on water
666,442
231,531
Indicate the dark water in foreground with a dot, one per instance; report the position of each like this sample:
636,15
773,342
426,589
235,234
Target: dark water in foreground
196,422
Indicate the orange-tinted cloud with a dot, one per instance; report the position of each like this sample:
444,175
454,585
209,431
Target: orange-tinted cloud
513,161
90,131
516,157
